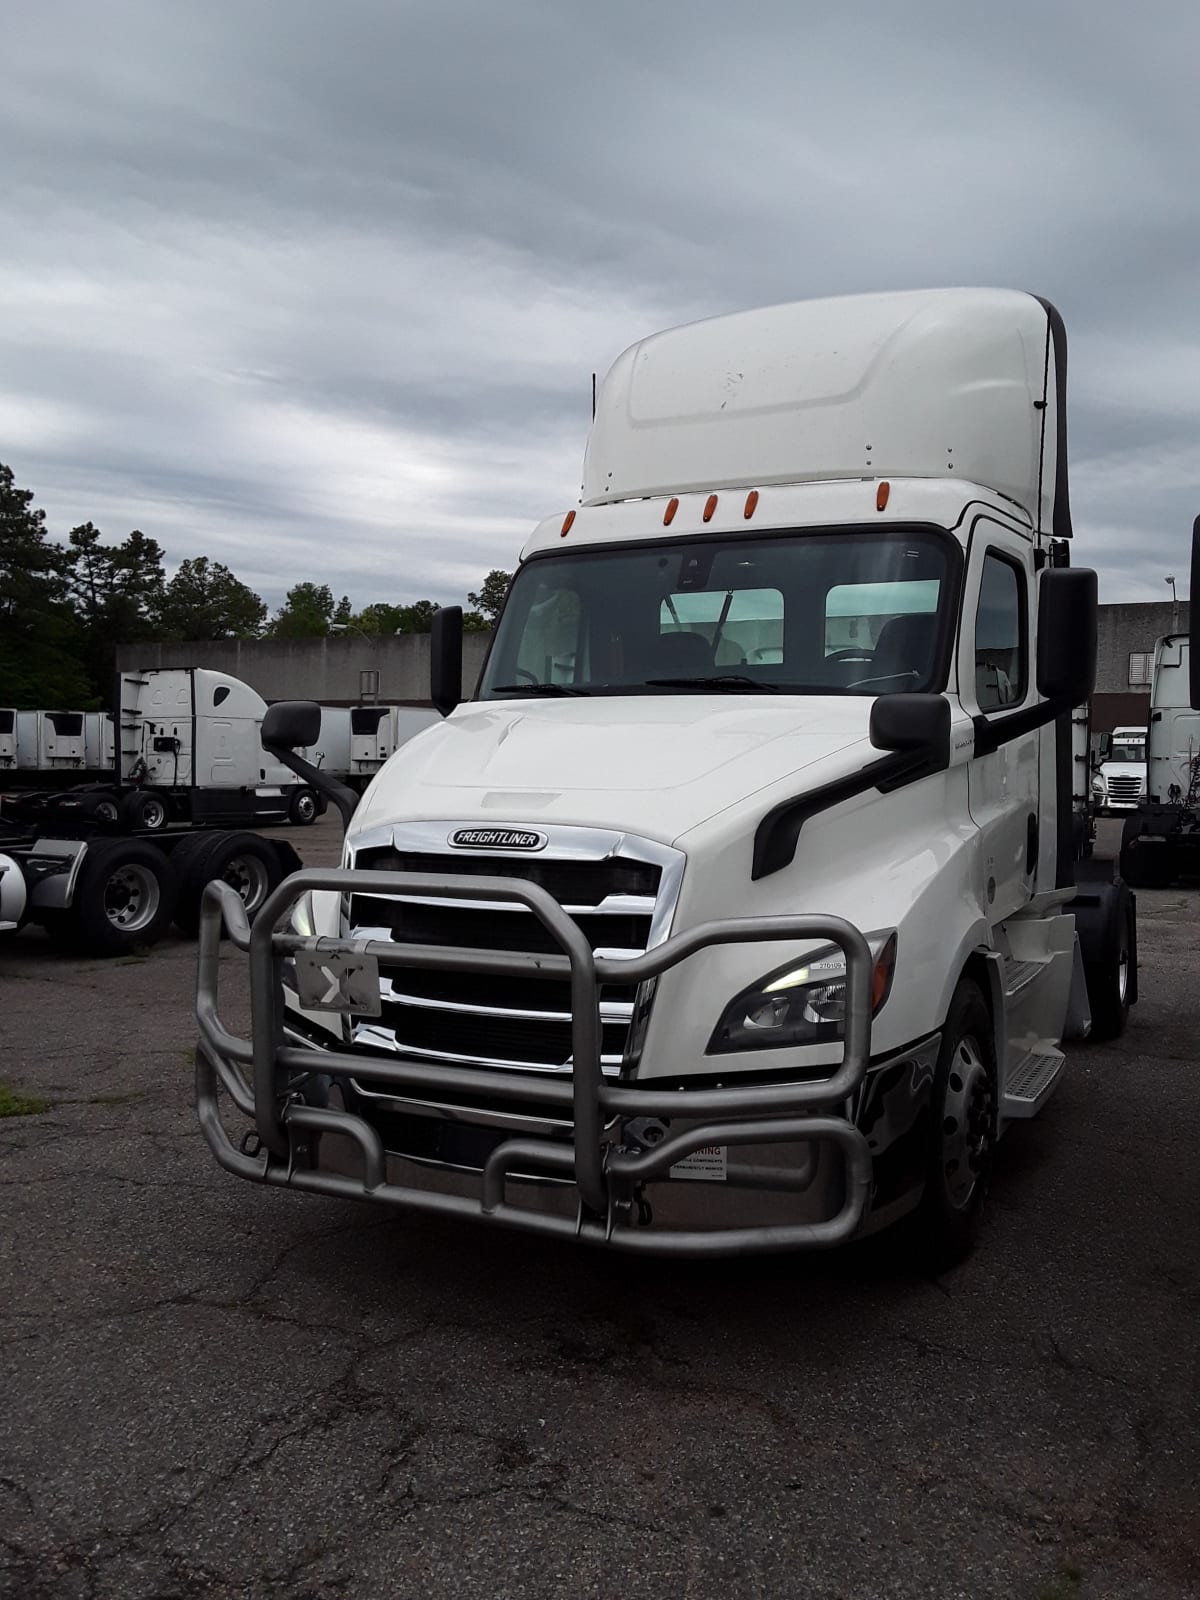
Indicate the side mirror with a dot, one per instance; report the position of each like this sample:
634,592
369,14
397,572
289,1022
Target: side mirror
1066,635
911,722
289,724
445,658
1194,635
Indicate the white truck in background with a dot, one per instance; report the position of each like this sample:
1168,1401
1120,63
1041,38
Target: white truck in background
1161,840
739,908
185,747
1119,782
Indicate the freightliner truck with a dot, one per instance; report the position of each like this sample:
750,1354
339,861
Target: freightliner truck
1161,841
736,910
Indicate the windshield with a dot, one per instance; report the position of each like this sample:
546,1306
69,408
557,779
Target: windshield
811,613
1127,751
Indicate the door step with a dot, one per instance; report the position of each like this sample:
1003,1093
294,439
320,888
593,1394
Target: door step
1019,974
1032,1080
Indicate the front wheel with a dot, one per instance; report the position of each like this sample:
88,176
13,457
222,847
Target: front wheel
962,1142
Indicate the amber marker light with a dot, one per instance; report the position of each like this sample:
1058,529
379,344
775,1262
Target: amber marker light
568,524
881,496
710,505
751,504
669,513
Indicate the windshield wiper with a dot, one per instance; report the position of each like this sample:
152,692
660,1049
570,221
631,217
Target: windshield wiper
537,688
731,682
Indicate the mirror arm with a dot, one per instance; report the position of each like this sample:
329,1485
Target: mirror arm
343,798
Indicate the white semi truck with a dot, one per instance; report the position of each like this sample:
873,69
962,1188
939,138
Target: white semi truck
1161,840
377,732
1119,782
738,909
185,745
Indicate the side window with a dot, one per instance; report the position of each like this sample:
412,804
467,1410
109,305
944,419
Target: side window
1001,648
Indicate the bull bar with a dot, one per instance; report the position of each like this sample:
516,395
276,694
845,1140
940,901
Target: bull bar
264,1076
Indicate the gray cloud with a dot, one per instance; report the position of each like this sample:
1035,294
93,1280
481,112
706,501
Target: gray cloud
318,291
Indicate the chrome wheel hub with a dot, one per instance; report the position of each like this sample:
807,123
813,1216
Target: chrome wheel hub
968,1123
131,898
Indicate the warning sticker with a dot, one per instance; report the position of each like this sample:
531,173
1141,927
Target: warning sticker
707,1164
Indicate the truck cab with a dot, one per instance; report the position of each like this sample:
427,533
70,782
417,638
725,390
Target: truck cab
1119,782
736,910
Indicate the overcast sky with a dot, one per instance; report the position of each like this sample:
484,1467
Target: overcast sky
317,289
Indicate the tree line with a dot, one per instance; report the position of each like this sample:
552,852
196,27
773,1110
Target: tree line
64,609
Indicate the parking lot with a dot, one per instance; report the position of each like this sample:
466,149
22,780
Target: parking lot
214,1389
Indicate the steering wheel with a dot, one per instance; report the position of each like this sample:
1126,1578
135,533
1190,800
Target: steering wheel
523,674
856,654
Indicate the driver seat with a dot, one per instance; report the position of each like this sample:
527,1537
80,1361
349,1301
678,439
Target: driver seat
905,645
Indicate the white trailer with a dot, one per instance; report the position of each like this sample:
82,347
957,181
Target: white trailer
50,742
99,742
738,909
1161,841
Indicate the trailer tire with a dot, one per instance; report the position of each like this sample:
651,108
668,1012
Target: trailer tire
248,863
963,1123
1106,923
124,900
104,809
304,807
143,811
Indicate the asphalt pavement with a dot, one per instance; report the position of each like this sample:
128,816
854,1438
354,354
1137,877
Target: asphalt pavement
209,1389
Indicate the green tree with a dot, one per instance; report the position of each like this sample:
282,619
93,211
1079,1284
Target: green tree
306,612
39,636
416,618
115,589
205,601
344,612
491,596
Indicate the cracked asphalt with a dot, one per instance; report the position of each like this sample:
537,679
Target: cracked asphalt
212,1389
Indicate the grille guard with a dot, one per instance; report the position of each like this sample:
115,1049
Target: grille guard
264,1076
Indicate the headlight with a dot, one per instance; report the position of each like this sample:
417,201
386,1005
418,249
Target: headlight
303,916
802,1003
1098,785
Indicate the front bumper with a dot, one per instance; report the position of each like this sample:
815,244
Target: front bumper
589,1171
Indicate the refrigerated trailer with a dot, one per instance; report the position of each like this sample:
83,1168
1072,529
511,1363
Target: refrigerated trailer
377,732
737,910
51,742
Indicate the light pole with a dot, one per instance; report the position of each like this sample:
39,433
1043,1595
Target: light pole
1174,603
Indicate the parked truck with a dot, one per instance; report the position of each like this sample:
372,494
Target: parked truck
1119,782
737,910
186,747
51,742
1161,840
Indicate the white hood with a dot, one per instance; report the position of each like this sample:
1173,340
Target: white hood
648,764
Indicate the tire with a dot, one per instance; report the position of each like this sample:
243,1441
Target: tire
304,807
244,860
1108,943
963,1121
143,811
124,900
104,809
1143,866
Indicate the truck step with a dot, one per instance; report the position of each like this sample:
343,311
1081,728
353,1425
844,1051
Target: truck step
1032,1080
1018,974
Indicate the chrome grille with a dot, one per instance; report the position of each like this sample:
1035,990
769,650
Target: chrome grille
621,892
1124,788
